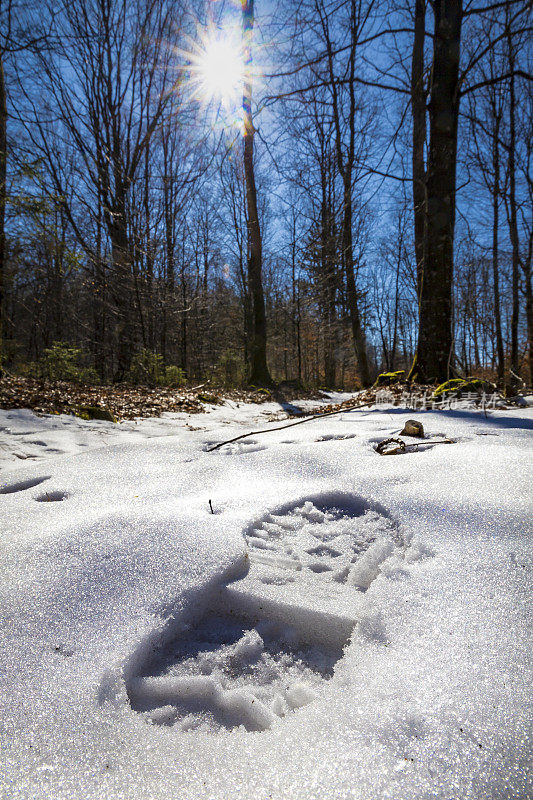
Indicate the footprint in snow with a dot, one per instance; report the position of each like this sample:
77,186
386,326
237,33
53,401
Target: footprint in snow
237,448
20,486
227,672
51,497
343,539
267,643
331,437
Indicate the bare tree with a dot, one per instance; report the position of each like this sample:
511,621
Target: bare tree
418,109
259,374
435,340
526,259
3,187
14,39
512,214
346,159
109,83
486,115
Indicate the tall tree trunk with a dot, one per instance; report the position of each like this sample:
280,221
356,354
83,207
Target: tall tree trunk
435,339
3,189
184,322
259,374
529,318
295,305
169,213
351,291
149,255
330,361
168,276
345,166
327,271
99,355
58,277
418,109
121,288
396,302
526,264
495,268
512,217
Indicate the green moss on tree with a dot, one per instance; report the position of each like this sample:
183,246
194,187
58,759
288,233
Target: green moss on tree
458,386
388,378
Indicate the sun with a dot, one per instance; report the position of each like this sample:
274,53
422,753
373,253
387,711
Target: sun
219,69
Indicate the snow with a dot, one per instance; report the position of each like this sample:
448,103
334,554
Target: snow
343,625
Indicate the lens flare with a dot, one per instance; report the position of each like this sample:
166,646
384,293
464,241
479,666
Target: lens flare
220,69
216,70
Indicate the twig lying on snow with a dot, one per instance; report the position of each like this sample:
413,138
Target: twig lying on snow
291,424
382,447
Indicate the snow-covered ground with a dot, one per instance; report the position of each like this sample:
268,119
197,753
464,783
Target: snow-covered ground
289,616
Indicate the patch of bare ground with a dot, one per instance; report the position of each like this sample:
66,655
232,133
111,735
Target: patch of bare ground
127,402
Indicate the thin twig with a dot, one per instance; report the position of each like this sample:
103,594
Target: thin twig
403,446
437,441
291,424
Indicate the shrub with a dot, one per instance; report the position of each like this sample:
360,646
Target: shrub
61,363
146,368
88,375
230,369
174,377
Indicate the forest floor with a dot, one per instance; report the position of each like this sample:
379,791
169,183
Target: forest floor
288,617
123,401
127,402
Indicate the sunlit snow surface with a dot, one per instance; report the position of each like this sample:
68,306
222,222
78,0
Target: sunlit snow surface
343,625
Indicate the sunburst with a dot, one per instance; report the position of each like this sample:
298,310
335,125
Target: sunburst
217,69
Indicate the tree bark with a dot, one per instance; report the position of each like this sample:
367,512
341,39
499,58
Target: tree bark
512,218
259,374
345,164
418,109
495,267
3,188
435,340
327,276
351,290
295,303
99,305
529,316
121,288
